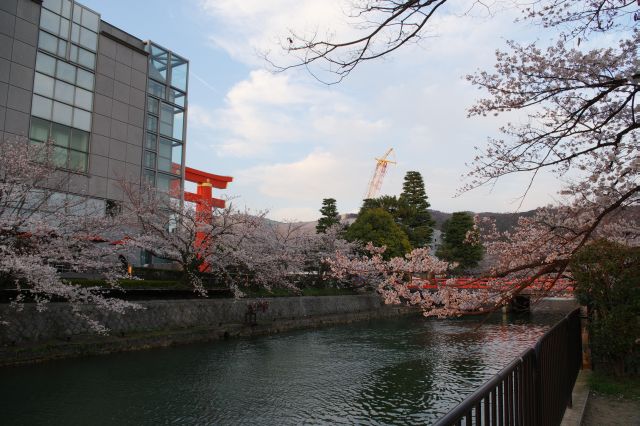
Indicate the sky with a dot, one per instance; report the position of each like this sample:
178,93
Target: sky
289,141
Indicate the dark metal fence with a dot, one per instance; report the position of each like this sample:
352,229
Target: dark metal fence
534,389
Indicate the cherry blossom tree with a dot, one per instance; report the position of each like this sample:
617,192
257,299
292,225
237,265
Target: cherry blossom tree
582,124
45,234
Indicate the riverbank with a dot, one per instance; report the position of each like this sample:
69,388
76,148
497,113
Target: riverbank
33,336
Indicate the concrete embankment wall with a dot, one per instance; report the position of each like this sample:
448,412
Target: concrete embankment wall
57,332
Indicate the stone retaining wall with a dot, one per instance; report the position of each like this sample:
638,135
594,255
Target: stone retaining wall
58,332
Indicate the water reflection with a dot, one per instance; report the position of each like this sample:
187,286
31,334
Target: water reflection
401,371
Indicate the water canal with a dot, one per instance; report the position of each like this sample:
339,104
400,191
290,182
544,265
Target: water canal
398,371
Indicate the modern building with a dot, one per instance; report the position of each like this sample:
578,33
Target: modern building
114,105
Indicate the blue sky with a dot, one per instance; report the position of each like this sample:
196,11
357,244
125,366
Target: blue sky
290,141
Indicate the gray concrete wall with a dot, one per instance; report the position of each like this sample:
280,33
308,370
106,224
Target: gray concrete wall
118,114
18,40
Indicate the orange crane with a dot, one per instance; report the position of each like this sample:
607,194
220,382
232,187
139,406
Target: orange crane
378,175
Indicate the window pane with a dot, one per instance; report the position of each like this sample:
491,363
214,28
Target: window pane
52,5
41,107
45,64
64,28
66,72
150,141
62,113
84,98
62,48
78,161
48,42
39,130
156,89
50,21
168,183
80,140
179,73
171,120
177,97
150,177
164,148
59,156
176,153
64,92
152,123
66,9
164,164
90,20
88,39
43,85
85,79
81,119
149,159
61,135
152,105
73,53
86,58
75,33
159,62
77,10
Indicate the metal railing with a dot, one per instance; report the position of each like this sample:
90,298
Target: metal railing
534,389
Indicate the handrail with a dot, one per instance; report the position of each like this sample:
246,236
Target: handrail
534,389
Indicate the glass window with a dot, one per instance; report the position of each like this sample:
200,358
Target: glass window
149,159
169,156
88,39
77,11
62,48
84,98
177,97
59,156
85,79
156,89
77,160
150,141
45,64
66,9
66,72
82,119
39,130
62,113
50,21
64,28
90,20
61,135
41,107
168,183
152,106
179,68
43,85
53,5
176,153
48,42
80,140
171,121
150,177
64,92
159,61
75,33
86,58
152,123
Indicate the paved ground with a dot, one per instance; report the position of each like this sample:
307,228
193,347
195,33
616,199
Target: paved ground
611,411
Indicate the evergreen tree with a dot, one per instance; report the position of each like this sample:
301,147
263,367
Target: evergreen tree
329,216
377,226
414,215
455,247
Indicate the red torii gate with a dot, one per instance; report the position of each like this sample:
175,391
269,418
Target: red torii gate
204,200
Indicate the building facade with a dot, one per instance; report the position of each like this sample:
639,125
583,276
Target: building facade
114,106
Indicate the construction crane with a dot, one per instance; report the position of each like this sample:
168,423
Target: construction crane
378,175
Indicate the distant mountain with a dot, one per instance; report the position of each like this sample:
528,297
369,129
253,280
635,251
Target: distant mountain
504,221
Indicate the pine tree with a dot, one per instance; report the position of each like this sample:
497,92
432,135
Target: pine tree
376,225
413,211
455,247
329,216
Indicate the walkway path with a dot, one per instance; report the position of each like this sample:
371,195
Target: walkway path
611,411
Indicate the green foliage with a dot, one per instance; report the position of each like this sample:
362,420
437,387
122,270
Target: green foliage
329,216
625,387
455,247
376,225
608,282
415,218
